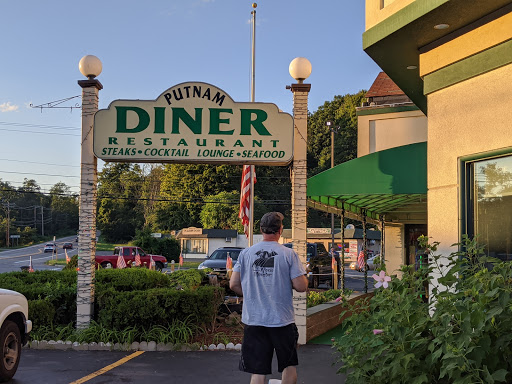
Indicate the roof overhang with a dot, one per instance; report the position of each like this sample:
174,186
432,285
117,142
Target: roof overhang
396,42
388,185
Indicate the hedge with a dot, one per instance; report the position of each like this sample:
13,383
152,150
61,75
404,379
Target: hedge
128,297
118,310
56,287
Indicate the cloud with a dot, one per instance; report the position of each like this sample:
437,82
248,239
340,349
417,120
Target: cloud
8,107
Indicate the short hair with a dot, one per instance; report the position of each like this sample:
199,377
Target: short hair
271,222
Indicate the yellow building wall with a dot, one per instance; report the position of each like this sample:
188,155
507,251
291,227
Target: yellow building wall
468,118
378,10
394,251
389,130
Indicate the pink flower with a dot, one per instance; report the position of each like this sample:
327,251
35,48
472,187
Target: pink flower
381,279
338,299
377,331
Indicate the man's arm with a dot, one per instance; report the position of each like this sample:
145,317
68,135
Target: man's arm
235,283
300,283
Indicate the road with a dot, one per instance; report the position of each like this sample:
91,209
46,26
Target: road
14,259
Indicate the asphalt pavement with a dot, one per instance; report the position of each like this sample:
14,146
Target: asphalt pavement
317,365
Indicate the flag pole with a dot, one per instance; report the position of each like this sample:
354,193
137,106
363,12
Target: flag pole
253,77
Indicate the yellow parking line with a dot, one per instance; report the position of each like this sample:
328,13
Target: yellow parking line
107,368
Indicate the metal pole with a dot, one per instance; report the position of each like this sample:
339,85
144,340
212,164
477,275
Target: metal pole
42,220
343,246
365,253
382,244
253,79
332,214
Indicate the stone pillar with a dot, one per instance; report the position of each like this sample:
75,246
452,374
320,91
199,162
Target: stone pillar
87,213
299,179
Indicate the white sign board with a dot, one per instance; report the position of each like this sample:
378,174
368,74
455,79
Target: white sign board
193,123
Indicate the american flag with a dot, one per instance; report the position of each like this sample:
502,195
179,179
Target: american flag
152,264
137,260
360,260
120,262
333,263
181,260
229,263
245,198
30,268
67,257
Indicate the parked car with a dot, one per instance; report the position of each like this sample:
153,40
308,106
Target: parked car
50,247
370,263
319,263
217,260
129,255
14,330
67,246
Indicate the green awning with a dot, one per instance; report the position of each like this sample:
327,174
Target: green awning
390,183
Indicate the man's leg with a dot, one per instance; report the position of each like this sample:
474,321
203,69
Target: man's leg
289,375
257,379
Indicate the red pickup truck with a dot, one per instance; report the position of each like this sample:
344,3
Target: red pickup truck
129,253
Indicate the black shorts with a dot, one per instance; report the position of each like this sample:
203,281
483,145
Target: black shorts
259,345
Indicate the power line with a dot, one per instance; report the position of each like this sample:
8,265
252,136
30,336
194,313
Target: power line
37,162
37,174
28,125
46,133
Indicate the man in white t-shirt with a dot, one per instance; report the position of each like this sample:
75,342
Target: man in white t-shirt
265,274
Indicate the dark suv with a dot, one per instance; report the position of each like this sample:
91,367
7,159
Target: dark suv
217,260
318,263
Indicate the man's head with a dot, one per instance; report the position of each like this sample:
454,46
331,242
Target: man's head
271,223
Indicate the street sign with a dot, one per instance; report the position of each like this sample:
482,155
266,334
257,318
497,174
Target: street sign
15,236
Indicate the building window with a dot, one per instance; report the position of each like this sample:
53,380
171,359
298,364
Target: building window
195,245
489,204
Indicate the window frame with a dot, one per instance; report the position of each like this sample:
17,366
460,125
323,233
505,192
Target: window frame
467,192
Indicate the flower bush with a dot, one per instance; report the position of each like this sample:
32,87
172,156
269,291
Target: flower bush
463,335
314,298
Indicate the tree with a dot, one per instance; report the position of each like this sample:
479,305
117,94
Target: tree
342,111
185,185
64,208
120,212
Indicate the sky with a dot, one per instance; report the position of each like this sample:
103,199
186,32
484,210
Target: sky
149,46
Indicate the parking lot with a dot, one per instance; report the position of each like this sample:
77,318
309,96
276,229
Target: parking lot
102,367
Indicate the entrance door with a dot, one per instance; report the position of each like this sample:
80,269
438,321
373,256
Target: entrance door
412,232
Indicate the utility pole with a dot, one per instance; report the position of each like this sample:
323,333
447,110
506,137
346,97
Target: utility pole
42,220
8,224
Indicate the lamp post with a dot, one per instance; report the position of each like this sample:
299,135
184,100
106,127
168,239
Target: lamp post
90,66
300,69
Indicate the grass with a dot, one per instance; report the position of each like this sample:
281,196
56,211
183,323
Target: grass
61,261
104,247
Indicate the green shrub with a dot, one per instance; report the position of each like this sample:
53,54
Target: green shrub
118,310
56,287
42,312
463,336
178,332
187,278
72,265
130,279
315,298
168,247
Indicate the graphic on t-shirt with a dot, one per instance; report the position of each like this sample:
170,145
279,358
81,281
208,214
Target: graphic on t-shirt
264,264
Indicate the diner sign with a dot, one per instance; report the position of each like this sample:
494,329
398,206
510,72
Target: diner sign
193,123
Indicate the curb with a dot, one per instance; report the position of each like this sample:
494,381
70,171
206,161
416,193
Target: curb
147,346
